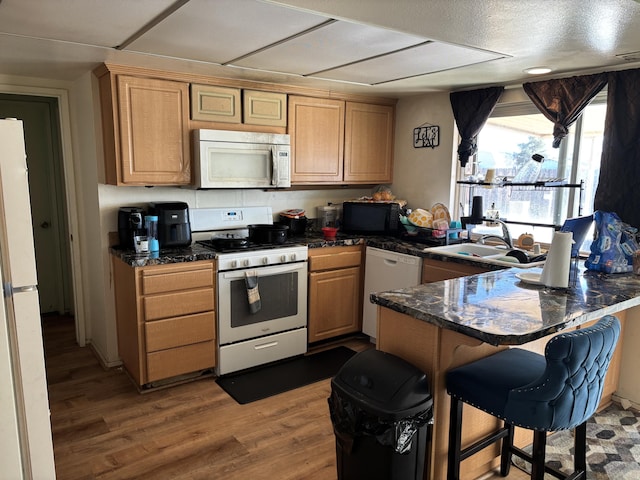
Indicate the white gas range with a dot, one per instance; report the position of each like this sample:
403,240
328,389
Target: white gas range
250,332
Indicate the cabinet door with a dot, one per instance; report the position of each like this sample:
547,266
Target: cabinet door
154,139
334,303
215,104
264,108
316,127
368,150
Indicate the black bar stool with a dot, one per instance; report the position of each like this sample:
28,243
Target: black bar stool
558,391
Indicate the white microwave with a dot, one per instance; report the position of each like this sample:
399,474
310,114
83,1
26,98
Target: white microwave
230,159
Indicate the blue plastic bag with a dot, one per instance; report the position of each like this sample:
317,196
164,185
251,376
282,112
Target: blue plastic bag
614,245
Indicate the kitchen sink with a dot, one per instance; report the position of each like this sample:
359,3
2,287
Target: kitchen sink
496,255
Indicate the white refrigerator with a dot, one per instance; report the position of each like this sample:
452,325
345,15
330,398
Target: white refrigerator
26,448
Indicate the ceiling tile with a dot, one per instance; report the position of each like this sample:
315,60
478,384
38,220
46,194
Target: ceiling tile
223,30
420,60
100,23
333,45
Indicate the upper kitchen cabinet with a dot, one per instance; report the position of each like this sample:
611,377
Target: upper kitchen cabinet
264,108
145,135
215,104
340,142
316,127
368,143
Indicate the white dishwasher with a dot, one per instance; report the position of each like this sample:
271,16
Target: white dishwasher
386,270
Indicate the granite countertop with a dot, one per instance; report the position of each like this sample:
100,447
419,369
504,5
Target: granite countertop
500,309
191,253
196,252
312,239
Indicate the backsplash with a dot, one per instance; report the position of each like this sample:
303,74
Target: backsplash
111,198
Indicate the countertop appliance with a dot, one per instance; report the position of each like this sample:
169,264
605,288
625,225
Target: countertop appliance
248,336
229,159
371,218
385,270
174,228
130,221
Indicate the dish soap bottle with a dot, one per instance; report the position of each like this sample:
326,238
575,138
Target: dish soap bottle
530,170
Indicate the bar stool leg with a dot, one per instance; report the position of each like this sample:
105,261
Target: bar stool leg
505,456
580,449
455,440
537,454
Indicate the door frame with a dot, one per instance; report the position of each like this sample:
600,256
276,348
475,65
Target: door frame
68,174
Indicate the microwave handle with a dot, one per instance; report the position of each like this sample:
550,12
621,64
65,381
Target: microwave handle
275,173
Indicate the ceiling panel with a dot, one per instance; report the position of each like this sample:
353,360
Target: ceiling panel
420,60
222,30
331,46
105,23
65,39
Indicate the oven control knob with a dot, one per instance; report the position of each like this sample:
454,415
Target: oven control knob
293,257
246,262
234,264
283,258
265,260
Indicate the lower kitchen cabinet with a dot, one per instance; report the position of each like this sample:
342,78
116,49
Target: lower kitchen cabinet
437,270
165,318
335,292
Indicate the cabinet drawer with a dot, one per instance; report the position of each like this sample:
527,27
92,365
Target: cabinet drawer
169,279
176,332
176,361
332,259
177,304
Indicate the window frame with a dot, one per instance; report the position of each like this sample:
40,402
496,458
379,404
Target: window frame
571,142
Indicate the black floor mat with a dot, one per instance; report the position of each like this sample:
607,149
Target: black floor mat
263,382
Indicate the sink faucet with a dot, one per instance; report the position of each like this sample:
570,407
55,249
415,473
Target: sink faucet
506,236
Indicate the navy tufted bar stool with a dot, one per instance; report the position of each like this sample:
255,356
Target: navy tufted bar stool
558,391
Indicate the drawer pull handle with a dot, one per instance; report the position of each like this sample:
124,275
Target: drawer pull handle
265,345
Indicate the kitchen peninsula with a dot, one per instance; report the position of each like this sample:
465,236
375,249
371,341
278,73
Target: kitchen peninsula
442,325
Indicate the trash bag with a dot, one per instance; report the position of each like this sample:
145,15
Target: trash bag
614,245
350,422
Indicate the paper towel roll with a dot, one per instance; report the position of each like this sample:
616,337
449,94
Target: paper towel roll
556,269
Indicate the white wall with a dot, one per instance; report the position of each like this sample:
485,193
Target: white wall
423,176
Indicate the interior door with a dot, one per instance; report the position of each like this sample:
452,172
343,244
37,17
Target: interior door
39,116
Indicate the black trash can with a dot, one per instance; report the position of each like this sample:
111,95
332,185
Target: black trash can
382,410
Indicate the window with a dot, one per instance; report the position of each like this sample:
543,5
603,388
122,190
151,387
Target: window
512,134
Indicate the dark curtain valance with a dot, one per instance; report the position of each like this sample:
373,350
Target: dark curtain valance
471,110
562,100
620,163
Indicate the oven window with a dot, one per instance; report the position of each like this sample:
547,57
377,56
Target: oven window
278,298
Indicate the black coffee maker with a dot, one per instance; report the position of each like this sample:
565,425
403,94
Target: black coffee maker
130,223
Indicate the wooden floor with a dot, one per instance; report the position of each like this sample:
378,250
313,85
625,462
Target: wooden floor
104,429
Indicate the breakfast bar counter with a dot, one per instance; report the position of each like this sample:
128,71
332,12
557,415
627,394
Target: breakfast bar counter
501,309
439,326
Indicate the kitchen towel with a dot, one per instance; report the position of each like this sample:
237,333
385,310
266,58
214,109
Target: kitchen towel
555,273
253,294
